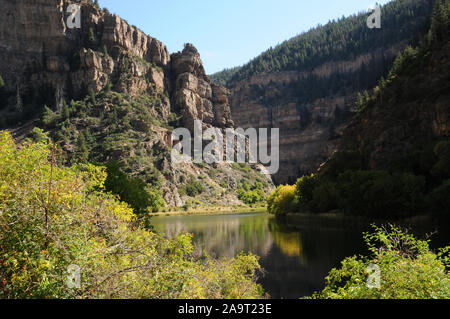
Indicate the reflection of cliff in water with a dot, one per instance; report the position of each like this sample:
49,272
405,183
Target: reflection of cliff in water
221,236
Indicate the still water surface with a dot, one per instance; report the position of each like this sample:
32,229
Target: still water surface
295,260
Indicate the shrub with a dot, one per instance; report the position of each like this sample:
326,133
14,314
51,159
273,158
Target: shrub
325,198
408,270
132,190
194,188
305,188
282,200
379,194
52,217
251,195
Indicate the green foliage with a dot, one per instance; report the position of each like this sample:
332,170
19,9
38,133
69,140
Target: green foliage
378,194
53,216
305,187
335,41
408,270
282,201
132,191
48,116
440,23
2,82
37,135
194,187
91,35
65,112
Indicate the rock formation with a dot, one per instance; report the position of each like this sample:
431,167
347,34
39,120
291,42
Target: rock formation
44,62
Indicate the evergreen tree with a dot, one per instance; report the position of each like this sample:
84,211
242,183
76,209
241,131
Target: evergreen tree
65,111
82,148
48,116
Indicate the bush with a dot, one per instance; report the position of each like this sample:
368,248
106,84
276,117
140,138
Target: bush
325,198
305,189
408,270
378,194
194,188
282,201
132,191
251,195
52,217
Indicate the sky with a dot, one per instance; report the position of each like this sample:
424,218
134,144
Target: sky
230,33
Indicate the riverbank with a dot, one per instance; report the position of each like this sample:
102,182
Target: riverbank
423,225
216,210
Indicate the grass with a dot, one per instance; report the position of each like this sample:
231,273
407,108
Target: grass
212,210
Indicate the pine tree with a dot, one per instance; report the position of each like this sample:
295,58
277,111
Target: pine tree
47,116
82,148
65,112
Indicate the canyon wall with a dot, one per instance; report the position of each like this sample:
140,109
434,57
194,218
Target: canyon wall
309,131
43,62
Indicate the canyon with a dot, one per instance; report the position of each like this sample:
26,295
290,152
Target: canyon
46,63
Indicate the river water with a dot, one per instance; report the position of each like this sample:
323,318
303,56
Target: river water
295,259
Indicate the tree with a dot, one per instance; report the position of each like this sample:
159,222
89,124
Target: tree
48,116
65,111
132,191
282,201
82,148
408,270
53,217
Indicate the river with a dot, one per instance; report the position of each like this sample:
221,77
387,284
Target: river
295,259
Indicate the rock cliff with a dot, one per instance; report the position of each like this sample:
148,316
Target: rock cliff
118,86
309,130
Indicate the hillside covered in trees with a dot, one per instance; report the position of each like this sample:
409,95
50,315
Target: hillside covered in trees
394,157
341,39
307,86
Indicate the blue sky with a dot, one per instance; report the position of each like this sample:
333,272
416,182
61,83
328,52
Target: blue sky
229,33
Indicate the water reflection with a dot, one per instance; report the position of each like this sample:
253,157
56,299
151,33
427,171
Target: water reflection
295,260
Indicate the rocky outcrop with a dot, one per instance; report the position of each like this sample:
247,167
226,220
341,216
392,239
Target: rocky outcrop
195,97
41,54
46,63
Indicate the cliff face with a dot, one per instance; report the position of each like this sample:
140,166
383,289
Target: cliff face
309,131
43,62
195,97
40,54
